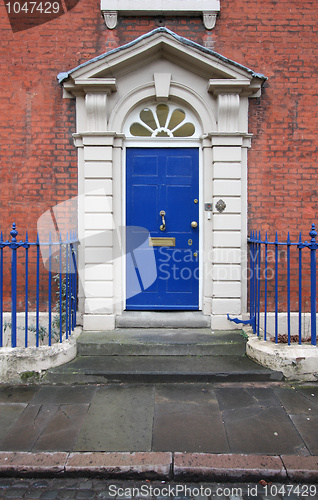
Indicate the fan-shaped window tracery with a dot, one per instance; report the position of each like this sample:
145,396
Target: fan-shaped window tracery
162,120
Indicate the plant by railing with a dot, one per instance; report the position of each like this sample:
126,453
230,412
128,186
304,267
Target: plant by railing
39,276
276,286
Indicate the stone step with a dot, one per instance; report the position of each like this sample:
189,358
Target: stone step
155,369
161,342
160,355
163,319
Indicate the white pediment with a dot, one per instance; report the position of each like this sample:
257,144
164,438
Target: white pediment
222,75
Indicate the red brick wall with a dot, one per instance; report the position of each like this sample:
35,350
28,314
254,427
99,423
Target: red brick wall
276,38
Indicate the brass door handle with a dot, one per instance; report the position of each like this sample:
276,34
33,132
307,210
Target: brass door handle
163,225
194,224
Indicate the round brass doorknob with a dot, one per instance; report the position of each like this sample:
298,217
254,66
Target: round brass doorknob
194,224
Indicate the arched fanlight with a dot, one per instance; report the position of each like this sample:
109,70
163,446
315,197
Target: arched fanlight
162,121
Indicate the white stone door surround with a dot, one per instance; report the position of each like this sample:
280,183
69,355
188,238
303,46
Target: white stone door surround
161,67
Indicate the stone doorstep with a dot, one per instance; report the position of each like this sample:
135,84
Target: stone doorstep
161,341
161,465
163,319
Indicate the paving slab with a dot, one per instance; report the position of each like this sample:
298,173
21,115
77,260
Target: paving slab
297,402
310,392
255,422
120,418
24,433
9,414
17,394
230,398
302,406
65,395
264,396
222,467
187,418
258,429
307,426
188,427
186,393
62,431
12,406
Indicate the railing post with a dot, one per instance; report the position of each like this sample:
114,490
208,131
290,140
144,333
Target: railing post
251,275
300,247
288,287
74,270
258,278
69,286
276,288
253,282
37,305
60,290
265,291
13,246
66,286
50,290
75,277
313,283
1,289
26,302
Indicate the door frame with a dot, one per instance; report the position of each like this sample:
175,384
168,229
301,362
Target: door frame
165,144
163,67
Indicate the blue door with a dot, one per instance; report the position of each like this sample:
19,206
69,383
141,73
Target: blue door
162,193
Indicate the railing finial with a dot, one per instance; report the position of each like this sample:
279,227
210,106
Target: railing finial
313,233
14,233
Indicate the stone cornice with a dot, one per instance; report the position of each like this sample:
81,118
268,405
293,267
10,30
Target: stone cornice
209,9
242,139
84,86
235,86
113,139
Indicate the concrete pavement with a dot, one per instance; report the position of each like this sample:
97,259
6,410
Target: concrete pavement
164,404
203,431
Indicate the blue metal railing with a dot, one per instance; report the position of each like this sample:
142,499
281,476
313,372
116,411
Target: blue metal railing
43,281
270,281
